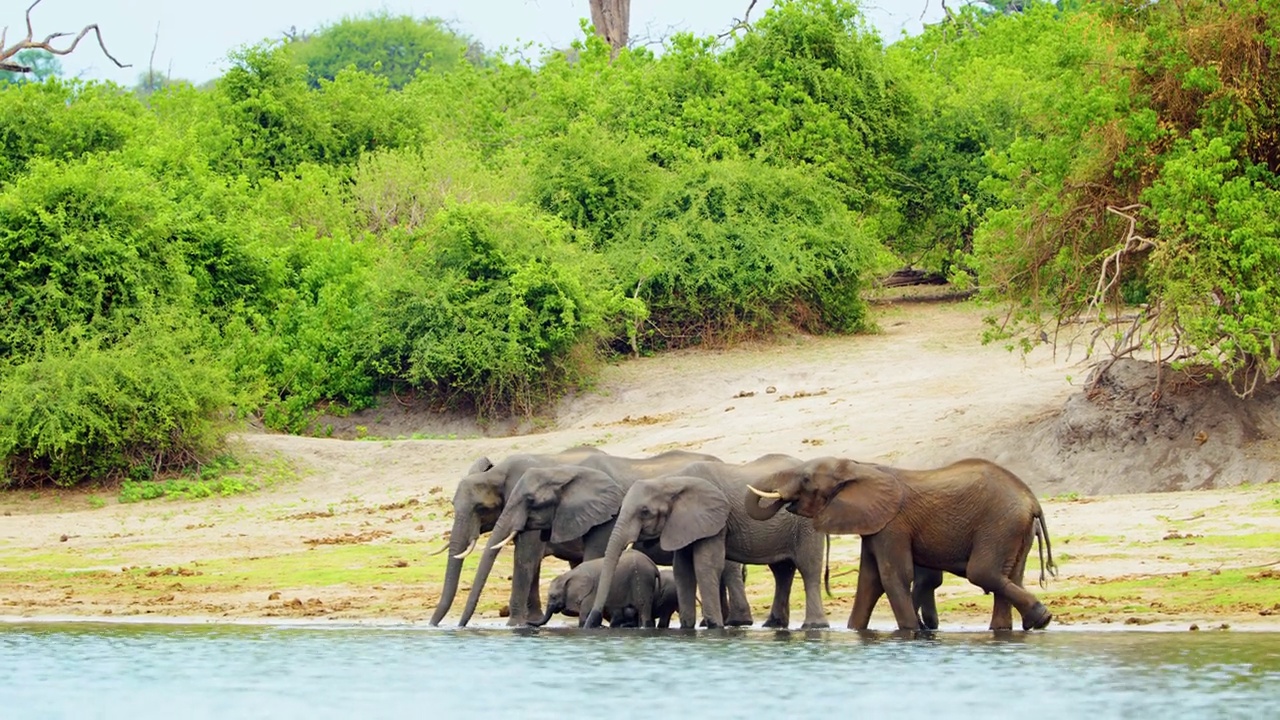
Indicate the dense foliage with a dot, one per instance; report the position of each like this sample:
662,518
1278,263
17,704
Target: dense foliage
380,206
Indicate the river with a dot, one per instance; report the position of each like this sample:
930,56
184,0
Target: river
130,671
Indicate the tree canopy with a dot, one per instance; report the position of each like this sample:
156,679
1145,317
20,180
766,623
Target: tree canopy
382,207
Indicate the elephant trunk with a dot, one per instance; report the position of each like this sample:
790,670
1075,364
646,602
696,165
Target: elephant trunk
503,530
625,532
552,608
482,575
466,528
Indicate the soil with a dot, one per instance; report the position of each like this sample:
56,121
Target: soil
1150,499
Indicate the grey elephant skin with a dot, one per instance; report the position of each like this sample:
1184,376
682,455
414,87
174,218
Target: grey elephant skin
700,517
972,518
576,503
477,502
632,601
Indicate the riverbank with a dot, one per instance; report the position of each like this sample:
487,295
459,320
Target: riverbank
343,530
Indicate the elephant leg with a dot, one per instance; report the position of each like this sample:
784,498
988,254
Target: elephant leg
923,585
868,591
686,587
737,609
526,601
815,615
708,563
784,573
1001,609
893,560
986,570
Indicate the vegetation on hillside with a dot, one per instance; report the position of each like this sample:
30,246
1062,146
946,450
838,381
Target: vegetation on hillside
381,205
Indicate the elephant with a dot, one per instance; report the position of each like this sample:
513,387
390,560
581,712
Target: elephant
632,600
700,517
564,502
971,518
477,503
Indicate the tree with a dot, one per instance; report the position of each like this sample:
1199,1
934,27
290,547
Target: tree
11,63
612,19
394,47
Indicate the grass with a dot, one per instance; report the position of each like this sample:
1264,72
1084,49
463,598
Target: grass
227,475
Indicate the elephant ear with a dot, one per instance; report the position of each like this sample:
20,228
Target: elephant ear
589,499
866,499
580,592
481,464
699,510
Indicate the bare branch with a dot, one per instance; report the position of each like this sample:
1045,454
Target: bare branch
743,24
1132,243
29,43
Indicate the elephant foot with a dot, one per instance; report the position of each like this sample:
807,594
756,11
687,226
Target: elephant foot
820,625
1038,618
775,622
738,622
592,620
929,621
711,625
514,621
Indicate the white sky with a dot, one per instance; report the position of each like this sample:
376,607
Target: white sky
194,37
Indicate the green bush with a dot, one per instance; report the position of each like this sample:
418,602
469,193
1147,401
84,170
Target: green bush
63,120
593,180
495,308
85,244
82,410
738,248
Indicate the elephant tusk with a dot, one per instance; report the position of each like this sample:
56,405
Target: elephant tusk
467,552
499,546
628,547
763,494
444,547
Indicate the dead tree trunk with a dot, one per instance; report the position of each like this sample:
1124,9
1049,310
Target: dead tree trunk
612,19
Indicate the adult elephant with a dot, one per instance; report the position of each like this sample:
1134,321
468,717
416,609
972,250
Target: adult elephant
626,471
699,516
558,503
563,503
477,502
633,598
972,518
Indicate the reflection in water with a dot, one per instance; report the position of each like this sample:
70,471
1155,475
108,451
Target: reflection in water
131,671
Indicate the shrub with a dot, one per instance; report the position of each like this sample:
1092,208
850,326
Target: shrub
496,309
84,244
738,248
83,410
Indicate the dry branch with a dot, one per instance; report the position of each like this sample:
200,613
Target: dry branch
7,52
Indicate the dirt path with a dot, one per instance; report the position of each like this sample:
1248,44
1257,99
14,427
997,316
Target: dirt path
346,533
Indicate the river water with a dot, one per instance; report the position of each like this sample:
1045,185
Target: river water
91,670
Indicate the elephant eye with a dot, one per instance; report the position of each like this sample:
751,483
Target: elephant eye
645,512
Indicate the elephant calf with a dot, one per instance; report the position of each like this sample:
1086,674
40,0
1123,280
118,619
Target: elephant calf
635,595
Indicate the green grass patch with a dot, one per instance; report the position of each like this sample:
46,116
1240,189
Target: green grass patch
225,476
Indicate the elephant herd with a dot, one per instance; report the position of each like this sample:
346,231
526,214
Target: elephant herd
617,519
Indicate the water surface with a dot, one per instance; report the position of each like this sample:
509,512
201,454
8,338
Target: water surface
90,670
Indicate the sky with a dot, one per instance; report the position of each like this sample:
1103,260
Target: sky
195,37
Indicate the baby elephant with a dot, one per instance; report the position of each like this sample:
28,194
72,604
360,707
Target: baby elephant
635,592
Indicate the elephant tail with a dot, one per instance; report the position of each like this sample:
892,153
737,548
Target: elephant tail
826,568
1041,531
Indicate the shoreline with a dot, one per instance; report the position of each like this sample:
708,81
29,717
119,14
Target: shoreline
1211,625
